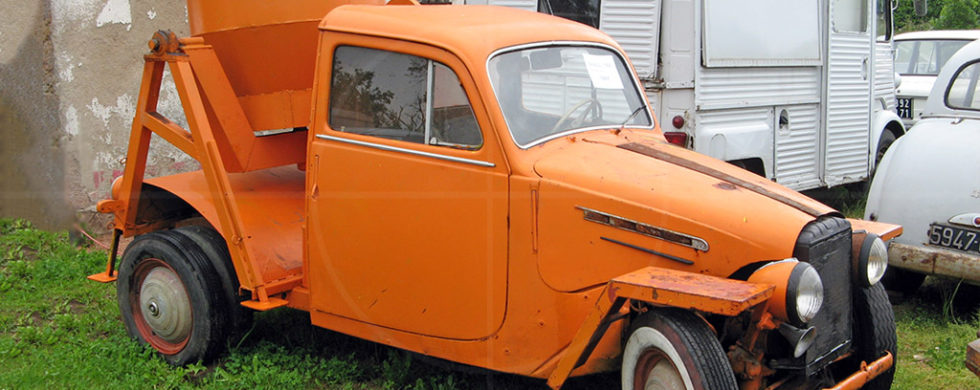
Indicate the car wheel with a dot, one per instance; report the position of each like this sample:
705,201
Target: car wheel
674,349
901,280
875,332
885,142
213,246
170,298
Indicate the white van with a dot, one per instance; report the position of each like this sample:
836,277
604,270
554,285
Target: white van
799,91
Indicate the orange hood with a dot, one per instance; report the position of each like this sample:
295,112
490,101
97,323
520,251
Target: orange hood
644,192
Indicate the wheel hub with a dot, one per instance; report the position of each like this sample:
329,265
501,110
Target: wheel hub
166,308
655,371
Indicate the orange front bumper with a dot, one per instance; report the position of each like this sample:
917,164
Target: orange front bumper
866,374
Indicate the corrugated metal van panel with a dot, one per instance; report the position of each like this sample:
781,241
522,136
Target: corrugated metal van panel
848,104
530,5
885,74
720,88
635,25
797,158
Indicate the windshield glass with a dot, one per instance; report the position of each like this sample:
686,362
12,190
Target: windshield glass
548,91
924,57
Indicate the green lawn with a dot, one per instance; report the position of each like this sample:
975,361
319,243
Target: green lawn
60,330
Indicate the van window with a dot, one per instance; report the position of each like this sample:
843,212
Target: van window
850,15
582,11
402,97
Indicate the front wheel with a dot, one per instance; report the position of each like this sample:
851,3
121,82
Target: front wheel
875,333
170,298
674,349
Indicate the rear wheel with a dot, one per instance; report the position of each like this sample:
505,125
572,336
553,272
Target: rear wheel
170,298
213,246
674,349
875,333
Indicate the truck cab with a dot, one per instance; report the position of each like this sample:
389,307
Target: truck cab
479,184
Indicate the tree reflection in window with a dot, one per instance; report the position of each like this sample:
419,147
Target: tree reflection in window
401,97
582,11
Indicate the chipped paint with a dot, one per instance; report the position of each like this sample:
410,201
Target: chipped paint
125,108
66,72
71,121
115,12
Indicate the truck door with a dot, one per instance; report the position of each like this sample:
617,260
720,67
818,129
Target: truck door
849,78
407,195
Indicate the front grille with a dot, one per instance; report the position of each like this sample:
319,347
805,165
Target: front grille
826,245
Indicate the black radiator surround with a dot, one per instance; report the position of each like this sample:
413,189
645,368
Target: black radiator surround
826,245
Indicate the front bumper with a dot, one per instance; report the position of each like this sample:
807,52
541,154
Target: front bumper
866,374
935,261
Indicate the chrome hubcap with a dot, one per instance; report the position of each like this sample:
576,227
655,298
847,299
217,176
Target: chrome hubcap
166,308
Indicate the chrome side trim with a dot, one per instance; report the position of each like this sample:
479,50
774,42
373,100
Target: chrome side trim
407,151
659,233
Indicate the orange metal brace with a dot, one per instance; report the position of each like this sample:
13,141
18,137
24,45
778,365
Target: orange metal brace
199,144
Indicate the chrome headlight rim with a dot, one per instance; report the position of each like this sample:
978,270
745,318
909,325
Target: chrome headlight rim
804,294
872,260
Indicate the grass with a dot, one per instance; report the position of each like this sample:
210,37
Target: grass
934,327
59,330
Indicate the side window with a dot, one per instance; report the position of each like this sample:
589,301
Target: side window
962,92
850,15
884,20
401,97
582,11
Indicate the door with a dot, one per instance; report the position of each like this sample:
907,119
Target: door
408,196
849,79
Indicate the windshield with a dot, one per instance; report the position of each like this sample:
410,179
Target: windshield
549,91
924,57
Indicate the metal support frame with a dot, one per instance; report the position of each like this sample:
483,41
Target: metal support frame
200,144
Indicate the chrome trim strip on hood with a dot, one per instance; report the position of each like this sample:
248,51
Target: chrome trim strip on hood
602,218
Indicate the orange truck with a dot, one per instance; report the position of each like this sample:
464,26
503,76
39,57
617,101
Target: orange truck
479,184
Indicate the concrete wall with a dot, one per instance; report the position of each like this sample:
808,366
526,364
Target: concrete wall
69,80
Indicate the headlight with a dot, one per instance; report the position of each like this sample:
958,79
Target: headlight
799,290
804,294
872,261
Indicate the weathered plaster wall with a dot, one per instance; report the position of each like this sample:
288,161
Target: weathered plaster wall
69,80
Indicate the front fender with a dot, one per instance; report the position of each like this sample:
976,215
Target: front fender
884,120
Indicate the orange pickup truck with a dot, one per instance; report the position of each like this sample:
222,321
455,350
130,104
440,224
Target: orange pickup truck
483,185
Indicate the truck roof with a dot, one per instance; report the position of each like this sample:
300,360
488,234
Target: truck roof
939,34
473,31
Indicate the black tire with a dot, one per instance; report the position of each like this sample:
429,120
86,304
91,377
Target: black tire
901,280
213,246
677,347
884,142
875,332
170,297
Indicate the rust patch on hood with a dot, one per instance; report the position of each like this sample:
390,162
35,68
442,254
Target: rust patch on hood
717,174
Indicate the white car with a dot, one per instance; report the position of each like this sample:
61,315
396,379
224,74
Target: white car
929,182
918,58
